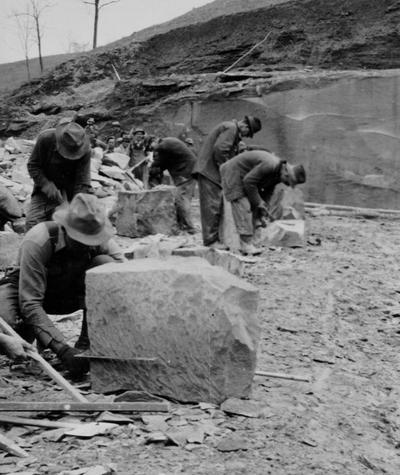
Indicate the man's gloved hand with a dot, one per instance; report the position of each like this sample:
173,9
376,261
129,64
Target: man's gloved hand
76,366
52,192
262,212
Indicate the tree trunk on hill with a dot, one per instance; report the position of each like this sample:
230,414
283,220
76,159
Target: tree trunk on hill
97,7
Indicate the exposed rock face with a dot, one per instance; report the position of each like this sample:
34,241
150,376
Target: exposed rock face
146,212
198,320
286,203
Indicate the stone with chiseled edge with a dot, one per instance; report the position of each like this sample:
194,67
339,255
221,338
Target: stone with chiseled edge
198,320
285,233
146,212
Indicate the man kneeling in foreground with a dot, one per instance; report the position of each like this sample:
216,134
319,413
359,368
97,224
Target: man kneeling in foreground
50,275
247,175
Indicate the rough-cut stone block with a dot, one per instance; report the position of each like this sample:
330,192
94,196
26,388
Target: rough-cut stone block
198,320
113,172
146,212
118,159
9,245
287,233
286,203
233,263
227,229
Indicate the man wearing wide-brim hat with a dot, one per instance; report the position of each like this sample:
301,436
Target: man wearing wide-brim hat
49,276
60,168
221,144
244,177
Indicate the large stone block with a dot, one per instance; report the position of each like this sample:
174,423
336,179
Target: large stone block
198,320
146,212
9,246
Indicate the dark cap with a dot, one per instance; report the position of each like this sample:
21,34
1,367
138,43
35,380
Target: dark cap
254,124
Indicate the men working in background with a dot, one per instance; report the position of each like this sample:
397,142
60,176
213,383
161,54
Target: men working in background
170,153
92,131
116,129
247,175
59,167
123,144
50,275
219,146
138,155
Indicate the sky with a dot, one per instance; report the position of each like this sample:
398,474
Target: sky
69,21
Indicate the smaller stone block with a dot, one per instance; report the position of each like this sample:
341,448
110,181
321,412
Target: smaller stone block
286,203
118,159
9,246
225,259
227,230
113,172
140,213
287,233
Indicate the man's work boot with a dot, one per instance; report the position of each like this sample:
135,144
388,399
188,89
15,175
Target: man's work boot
217,245
76,366
248,249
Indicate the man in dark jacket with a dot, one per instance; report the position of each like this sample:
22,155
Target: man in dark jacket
60,168
49,276
247,175
173,155
219,146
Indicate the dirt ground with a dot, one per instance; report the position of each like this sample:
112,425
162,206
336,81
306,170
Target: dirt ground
329,310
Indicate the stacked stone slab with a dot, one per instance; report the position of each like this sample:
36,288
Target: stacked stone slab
198,320
146,212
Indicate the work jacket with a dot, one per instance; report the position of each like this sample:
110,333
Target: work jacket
46,164
51,279
219,146
173,155
249,173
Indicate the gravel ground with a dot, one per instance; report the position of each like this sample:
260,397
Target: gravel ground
329,310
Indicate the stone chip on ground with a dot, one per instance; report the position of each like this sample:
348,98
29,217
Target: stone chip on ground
241,407
198,320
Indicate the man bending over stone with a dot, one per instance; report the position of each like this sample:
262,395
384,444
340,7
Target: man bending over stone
219,146
175,156
59,167
247,175
50,275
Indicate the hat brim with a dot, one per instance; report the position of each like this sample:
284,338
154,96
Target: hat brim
69,154
248,122
60,217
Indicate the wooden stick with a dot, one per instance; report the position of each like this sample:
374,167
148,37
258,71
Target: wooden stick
351,208
116,72
283,376
98,406
55,375
11,447
246,54
25,421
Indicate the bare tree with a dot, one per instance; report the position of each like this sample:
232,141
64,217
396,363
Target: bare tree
24,31
98,5
36,13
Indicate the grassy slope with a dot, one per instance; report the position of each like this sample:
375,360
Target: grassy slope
12,75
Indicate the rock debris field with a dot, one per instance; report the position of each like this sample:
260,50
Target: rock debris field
329,310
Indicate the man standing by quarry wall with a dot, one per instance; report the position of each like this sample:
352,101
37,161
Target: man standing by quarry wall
219,146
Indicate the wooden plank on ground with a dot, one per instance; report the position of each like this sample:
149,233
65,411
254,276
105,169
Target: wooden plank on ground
11,447
162,406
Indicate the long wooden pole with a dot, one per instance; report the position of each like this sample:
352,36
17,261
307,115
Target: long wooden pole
55,375
246,54
308,204
11,447
291,377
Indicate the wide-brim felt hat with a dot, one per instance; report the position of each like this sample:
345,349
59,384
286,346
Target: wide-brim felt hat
254,124
297,174
72,141
85,220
